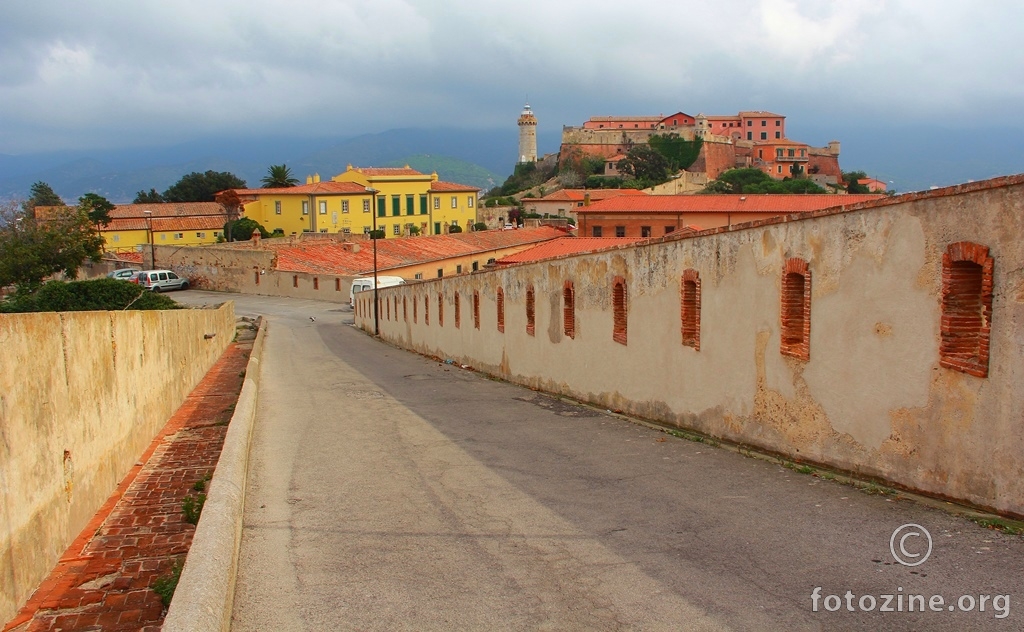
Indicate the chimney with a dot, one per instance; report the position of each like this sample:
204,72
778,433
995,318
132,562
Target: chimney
586,199
316,178
256,239
348,246
309,179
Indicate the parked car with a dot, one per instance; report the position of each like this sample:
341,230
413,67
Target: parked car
161,280
366,283
126,274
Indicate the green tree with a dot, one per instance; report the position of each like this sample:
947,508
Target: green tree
279,177
679,152
153,197
32,249
97,208
202,187
645,166
41,194
751,180
242,229
852,185
454,228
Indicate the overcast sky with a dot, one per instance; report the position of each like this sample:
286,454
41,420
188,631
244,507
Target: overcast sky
106,73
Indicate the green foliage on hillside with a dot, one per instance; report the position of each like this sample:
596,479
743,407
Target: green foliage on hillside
752,180
93,295
242,229
526,176
643,167
450,170
679,153
852,185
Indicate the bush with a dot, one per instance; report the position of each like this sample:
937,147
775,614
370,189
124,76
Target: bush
92,295
165,585
455,228
192,507
479,226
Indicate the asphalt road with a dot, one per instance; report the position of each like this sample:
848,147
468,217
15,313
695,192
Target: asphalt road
391,492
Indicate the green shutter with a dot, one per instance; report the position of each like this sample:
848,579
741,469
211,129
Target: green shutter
382,206
437,228
410,205
423,205
396,205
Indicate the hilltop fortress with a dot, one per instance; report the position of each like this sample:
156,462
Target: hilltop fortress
748,139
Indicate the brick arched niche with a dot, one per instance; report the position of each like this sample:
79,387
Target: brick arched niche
499,299
415,310
966,308
476,309
689,308
426,309
458,311
795,312
530,311
569,309
440,309
619,310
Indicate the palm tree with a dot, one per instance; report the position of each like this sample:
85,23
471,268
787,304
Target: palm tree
279,177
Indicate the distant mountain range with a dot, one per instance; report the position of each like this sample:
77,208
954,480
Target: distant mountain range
912,158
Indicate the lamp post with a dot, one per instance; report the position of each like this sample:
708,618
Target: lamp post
373,236
149,229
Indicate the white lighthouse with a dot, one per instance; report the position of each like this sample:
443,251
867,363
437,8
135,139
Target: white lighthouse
527,135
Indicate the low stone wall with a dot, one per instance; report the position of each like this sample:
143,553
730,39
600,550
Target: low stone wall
882,340
82,395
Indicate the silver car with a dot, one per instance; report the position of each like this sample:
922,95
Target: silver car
161,280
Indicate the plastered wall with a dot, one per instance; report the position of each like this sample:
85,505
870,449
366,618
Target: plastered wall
872,398
82,395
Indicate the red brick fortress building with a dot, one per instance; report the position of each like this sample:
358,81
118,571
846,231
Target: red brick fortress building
751,138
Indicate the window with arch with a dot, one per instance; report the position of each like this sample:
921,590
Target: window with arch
569,309
530,311
795,312
619,309
458,311
476,309
499,299
966,308
689,308
440,309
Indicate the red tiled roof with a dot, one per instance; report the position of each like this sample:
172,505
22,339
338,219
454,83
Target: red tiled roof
324,187
440,186
333,258
753,113
167,209
567,246
748,203
387,171
578,195
168,224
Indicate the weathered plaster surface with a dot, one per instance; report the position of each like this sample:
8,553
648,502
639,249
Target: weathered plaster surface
83,394
872,398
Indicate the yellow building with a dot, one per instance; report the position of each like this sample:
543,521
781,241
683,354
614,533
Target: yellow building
408,199
185,224
314,207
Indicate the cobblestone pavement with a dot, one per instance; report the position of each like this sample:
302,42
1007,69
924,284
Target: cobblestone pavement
103,581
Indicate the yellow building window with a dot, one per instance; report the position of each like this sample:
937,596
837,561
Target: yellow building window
323,207
455,202
179,235
469,201
201,235
277,207
344,206
437,203
305,207
117,238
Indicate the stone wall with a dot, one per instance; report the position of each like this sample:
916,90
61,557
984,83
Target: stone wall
831,338
82,395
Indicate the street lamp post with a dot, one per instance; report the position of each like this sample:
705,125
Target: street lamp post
149,229
373,236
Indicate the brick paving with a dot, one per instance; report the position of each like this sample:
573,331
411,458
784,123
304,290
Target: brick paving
103,581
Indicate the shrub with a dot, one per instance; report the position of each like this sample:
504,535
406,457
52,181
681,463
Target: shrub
92,295
165,585
192,507
479,226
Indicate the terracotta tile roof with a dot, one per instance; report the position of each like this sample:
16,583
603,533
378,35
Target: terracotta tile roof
749,203
439,186
567,246
387,171
330,257
167,209
167,224
324,187
780,141
754,113
578,195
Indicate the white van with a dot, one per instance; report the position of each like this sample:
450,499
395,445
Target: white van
366,283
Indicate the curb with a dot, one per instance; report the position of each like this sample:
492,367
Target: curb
204,597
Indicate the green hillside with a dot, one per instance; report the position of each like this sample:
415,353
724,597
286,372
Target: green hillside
450,170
